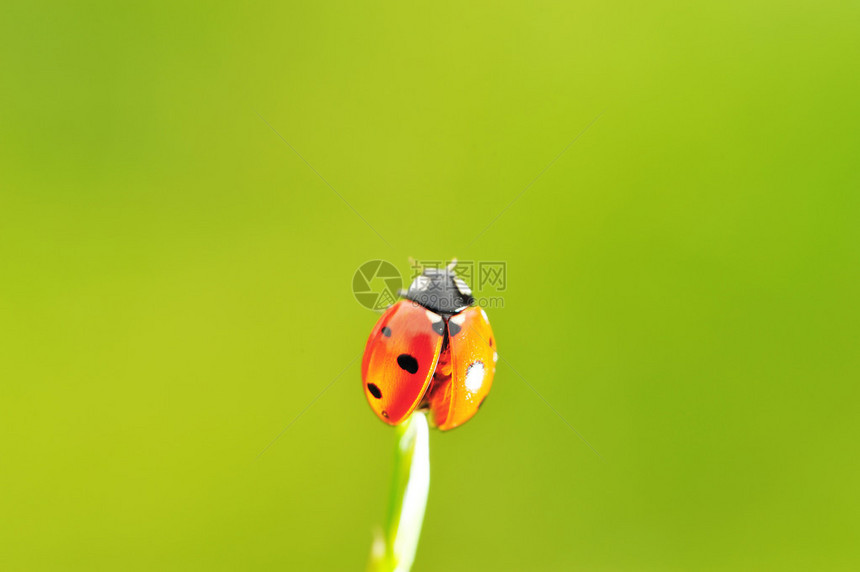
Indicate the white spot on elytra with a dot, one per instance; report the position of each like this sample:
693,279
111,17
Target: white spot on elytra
433,317
475,376
495,357
484,314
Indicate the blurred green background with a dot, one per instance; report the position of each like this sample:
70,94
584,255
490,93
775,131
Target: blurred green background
682,282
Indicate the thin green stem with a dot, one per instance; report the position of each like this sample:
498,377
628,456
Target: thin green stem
394,551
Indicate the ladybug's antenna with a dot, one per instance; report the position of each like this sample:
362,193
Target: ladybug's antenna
451,266
415,264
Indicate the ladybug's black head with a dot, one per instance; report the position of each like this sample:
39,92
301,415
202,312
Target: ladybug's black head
441,291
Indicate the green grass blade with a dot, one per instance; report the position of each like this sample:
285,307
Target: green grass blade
395,551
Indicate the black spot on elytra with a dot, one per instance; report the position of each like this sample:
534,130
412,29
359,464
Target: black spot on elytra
386,331
385,414
407,362
491,342
453,328
439,327
374,391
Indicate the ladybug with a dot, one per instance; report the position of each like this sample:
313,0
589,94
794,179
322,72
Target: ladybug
432,350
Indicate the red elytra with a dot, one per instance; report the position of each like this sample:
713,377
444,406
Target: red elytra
420,358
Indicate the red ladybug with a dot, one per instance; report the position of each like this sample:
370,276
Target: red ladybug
434,350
